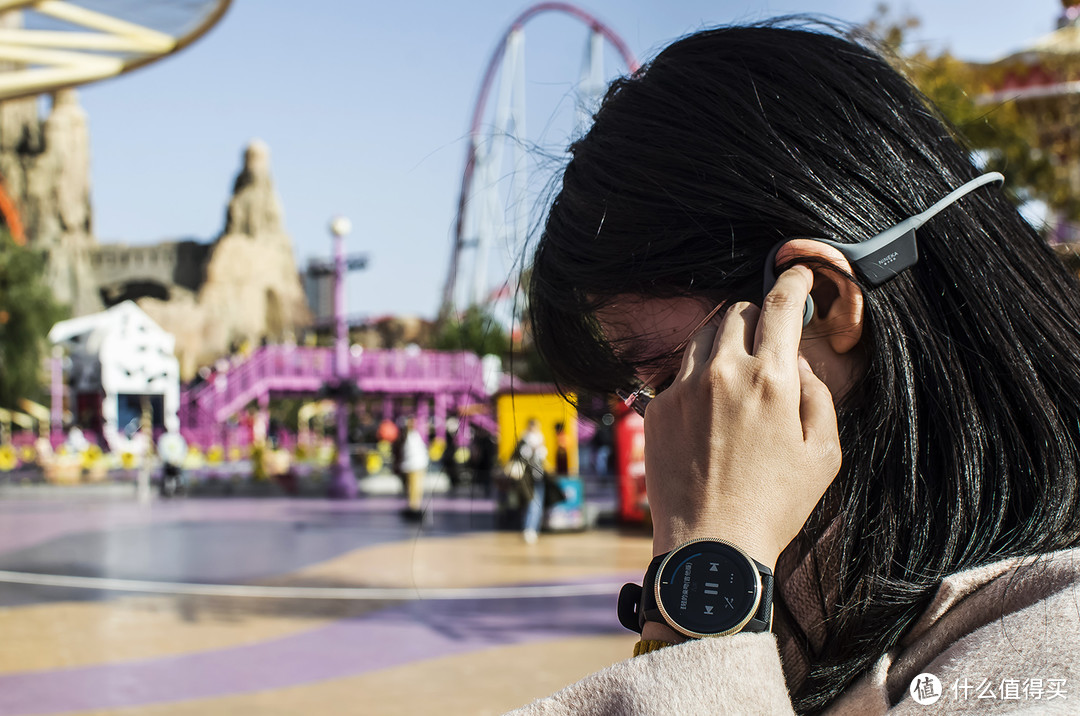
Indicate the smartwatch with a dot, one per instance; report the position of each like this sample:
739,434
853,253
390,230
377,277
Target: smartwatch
706,587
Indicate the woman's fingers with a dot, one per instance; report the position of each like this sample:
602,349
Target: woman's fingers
816,410
779,329
735,339
697,352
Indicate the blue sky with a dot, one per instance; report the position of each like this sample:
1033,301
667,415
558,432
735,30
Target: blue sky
365,107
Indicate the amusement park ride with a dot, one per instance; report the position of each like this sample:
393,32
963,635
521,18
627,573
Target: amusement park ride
494,201
51,45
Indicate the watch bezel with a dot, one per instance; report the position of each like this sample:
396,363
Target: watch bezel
702,635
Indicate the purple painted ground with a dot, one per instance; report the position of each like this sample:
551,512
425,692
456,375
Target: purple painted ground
24,523
211,540
405,634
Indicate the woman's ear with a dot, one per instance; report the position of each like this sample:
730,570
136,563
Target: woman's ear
838,302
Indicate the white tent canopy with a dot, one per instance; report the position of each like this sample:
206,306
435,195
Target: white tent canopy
124,356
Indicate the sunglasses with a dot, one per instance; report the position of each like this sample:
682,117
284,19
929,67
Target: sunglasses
637,400
876,260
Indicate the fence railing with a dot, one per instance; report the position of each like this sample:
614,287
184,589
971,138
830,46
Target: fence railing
303,370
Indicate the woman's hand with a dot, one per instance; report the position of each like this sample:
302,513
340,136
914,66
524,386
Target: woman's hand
743,443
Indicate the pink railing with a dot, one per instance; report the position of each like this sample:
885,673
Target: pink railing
304,371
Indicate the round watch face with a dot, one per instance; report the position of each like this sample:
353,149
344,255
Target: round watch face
708,588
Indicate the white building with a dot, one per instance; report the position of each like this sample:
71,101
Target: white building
120,360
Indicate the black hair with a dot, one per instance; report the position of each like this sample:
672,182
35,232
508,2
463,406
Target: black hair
960,441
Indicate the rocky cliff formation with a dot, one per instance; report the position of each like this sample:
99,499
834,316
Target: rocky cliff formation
45,167
251,290
244,287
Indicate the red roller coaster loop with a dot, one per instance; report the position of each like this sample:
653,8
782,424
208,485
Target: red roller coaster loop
481,103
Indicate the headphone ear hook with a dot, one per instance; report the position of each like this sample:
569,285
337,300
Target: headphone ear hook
882,257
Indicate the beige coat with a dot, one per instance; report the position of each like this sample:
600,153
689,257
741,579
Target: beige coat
1010,630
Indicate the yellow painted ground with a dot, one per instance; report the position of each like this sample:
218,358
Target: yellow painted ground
483,559
492,681
67,634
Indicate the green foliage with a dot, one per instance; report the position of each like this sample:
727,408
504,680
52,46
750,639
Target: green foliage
475,330
1008,137
27,312
286,411
529,366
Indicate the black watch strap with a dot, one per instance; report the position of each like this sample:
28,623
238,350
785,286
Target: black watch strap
762,619
637,604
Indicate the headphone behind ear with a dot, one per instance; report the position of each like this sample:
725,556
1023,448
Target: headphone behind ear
808,311
880,258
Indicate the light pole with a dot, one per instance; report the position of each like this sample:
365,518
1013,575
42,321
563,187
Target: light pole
56,404
342,479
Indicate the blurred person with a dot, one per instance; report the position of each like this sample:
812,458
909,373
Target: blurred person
414,464
562,451
172,449
483,455
532,452
862,503
76,440
397,452
449,458
602,442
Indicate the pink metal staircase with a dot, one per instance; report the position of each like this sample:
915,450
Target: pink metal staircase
450,380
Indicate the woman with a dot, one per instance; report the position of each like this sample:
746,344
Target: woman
532,451
414,463
906,463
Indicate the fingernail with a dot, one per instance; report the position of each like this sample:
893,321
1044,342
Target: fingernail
803,363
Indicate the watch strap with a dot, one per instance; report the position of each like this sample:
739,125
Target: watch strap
762,619
629,601
637,603
650,610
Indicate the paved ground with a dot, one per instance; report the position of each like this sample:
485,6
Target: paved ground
435,621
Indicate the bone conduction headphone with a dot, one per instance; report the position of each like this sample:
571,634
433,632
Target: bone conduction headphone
877,260
882,257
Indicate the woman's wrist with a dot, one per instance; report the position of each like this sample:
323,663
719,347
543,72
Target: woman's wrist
749,541
657,631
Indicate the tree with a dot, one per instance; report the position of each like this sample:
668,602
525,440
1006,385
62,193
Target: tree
27,312
474,330
1007,138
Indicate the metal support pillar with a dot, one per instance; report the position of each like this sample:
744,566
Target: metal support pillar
56,406
342,479
440,417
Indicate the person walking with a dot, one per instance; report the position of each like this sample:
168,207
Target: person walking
414,464
532,450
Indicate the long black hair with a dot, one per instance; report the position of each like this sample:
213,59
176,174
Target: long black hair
961,441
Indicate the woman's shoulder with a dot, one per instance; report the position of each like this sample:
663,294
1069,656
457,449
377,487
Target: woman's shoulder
740,674
1009,631
1012,584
